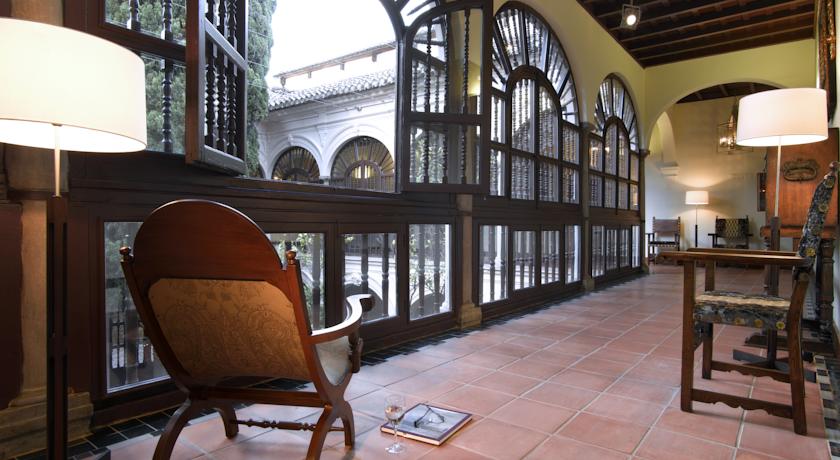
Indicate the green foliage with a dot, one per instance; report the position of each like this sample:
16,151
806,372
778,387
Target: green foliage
259,53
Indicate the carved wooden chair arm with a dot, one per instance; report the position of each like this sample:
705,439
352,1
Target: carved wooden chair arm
359,304
737,257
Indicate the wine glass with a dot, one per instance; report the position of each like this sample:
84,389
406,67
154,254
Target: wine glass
394,411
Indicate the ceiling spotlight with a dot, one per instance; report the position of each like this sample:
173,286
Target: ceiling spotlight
630,16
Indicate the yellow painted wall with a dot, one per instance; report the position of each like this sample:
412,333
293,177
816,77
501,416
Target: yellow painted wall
784,65
687,134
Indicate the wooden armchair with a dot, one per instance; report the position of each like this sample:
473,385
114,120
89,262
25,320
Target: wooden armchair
731,233
771,313
217,305
665,234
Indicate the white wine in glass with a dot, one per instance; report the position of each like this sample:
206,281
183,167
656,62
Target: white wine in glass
394,411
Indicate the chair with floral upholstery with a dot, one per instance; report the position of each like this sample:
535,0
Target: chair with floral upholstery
770,313
220,309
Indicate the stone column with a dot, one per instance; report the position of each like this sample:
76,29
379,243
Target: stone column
470,314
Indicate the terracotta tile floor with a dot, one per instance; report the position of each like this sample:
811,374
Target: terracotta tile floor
594,377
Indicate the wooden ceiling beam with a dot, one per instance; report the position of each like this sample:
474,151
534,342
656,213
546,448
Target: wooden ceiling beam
745,35
703,18
721,48
800,16
765,7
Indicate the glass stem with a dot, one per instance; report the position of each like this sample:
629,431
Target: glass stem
396,439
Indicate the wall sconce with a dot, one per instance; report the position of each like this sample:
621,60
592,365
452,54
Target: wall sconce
630,16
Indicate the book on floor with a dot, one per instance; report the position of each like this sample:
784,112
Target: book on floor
430,424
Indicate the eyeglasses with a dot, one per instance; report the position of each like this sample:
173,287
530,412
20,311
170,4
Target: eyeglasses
430,417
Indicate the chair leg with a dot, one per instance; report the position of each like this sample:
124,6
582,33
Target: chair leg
319,436
772,347
797,380
349,425
708,338
167,440
228,416
687,368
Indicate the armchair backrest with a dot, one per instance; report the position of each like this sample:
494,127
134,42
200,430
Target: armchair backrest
812,230
666,226
214,298
732,228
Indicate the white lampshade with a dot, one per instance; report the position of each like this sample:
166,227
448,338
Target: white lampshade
782,117
696,197
95,90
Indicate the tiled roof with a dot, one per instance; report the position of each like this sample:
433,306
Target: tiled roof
280,98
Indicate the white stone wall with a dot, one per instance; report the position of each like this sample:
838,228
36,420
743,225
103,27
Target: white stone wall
323,127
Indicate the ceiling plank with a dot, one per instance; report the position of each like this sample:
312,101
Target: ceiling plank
718,15
728,47
657,38
779,24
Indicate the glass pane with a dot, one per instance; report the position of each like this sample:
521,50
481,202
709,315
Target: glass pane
634,197
130,356
634,167
548,128
443,78
611,245
624,248
596,197
428,277
548,182
522,127
524,247
610,146
444,154
596,154
635,256
165,98
550,260
498,173
622,195
570,186
572,255
598,255
492,284
522,178
609,193
370,267
571,142
164,19
623,156
310,256
497,123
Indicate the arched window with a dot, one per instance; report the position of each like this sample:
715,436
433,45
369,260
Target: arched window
614,147
364,163
296,164
534,137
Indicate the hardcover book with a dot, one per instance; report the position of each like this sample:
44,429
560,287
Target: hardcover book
429,424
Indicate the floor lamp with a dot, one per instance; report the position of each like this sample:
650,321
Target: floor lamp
63,89
697,198
780,117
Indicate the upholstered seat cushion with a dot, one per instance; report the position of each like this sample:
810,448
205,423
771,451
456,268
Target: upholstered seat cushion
751,310
335,358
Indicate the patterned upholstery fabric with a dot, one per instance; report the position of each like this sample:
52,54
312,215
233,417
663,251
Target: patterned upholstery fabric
759,311
226,328
733,231
334,358
763,311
